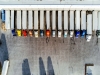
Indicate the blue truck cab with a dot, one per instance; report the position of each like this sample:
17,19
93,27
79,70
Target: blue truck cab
3,15
83,33
41,33
77,33
13,32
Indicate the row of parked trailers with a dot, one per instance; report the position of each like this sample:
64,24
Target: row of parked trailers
78,23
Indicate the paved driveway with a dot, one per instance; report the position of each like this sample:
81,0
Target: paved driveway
33,56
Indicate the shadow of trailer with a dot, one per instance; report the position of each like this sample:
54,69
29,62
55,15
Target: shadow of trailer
88,70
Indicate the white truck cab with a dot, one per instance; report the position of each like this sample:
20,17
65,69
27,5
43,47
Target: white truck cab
89,27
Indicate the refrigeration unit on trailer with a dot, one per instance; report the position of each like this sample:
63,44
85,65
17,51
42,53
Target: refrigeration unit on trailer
89,27
71,23
5,67
30,23
53,23
41,23
7,19
95,21
12,23
24,23
65,23
3,15
59,23
36,23
48,23
98,26
19,23
77,26
83,23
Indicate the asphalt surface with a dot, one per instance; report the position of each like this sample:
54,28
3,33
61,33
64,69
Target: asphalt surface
58,56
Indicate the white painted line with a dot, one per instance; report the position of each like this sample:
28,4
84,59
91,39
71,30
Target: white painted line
12,19
59,20
42,20
18,19
36,20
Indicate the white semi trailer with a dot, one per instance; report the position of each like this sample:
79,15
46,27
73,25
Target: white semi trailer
77,27
12,19
24,19
98,26
71,23
36,23
89,27
41,23
18,19
30,20
7,19
59,23
65,23
83,23
95,21
5,67
19,33
30,23
48,23
53,23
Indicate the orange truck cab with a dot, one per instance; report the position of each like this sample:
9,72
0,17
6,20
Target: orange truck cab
47,33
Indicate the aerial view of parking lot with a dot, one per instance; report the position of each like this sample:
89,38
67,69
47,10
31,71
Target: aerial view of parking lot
47,37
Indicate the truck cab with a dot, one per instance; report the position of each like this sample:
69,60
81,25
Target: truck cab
83,33
41,33
47,33
77,33
71,33
36,33
98,33
65,33
53,33
59,33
